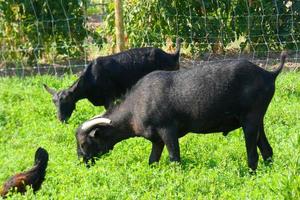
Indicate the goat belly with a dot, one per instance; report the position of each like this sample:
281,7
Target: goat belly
218,124
224,125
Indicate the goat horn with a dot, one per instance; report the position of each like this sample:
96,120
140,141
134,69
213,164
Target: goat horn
50,90
95,121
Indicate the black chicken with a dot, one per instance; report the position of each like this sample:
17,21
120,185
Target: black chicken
33,177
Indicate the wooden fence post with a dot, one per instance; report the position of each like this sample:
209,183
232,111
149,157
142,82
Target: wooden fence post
119,26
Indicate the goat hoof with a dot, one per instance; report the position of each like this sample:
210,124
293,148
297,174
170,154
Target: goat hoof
252,172
268,161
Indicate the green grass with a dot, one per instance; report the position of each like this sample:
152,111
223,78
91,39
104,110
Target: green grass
213,166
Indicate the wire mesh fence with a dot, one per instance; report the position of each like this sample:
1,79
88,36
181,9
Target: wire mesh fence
54,37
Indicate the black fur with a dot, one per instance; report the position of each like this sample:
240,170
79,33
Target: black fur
164,106
109,77
33,177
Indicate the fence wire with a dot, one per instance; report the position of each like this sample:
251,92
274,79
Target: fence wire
45,37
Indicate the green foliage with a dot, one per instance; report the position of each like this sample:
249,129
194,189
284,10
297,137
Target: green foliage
211,25
33,28
213,166
269,25
34,31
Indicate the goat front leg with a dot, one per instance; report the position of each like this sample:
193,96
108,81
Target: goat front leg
157,148
170,138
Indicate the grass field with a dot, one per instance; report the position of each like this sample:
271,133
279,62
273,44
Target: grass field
213,166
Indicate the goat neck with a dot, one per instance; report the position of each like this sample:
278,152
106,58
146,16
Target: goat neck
77,91
121,120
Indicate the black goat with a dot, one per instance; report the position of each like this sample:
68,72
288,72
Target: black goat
109,77
164,106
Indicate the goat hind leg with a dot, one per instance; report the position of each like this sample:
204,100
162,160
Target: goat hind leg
264,145
250,128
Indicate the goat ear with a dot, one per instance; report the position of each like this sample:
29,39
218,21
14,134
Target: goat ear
93,133
100,132
50,90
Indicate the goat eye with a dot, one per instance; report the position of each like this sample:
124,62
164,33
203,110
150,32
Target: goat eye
82,146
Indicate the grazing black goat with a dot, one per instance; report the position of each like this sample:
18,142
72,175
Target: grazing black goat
33,177
164,106
109,77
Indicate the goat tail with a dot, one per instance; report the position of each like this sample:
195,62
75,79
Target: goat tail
41,157
282,61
